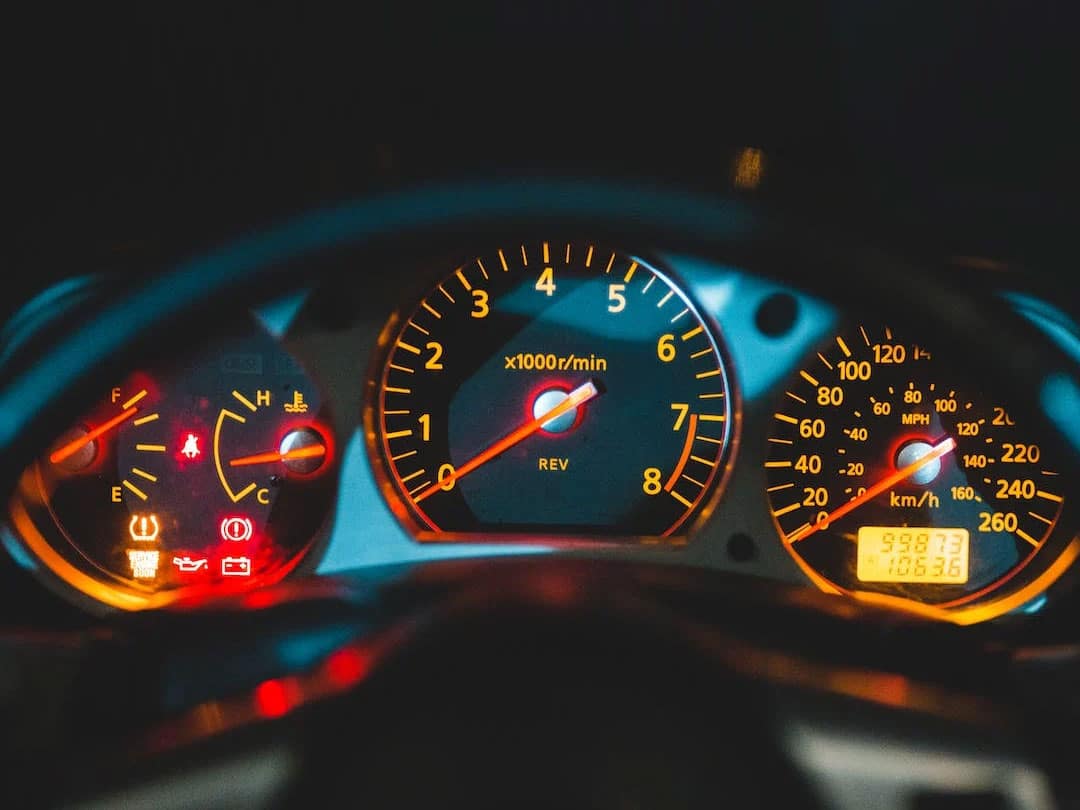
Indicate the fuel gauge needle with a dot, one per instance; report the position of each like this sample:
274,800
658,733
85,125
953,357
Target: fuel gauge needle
892,479
579,396
73,447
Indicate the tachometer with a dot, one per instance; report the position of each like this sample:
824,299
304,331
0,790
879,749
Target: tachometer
554,388
887,475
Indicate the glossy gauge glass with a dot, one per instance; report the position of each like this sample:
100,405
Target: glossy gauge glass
552,388
213,474
886,475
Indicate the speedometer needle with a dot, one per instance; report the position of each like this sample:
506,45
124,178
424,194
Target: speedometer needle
73,447
579,396
892,479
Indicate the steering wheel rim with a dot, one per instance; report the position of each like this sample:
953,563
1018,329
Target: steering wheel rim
1009,348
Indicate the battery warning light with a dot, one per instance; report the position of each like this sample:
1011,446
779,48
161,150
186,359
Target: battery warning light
236,567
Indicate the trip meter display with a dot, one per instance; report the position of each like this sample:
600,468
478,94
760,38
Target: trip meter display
886,474
557,388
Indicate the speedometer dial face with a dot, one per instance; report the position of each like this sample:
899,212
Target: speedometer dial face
558,388
885,475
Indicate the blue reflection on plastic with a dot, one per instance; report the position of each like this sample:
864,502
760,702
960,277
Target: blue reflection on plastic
1056,324
732,298
1034,606
277,316
1060,398
16,550
366,533
303,651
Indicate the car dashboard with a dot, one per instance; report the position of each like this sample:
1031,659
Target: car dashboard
543,395
581,402
646,406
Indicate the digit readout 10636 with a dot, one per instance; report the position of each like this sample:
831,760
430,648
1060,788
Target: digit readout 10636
906,554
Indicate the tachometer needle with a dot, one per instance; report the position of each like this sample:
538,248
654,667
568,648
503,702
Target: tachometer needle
312,451
73,447
579,396
892,479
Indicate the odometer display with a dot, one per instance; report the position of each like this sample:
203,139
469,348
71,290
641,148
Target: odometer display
913,554
886,473
551,388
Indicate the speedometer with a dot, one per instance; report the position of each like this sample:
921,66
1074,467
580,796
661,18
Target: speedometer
552,388
885,474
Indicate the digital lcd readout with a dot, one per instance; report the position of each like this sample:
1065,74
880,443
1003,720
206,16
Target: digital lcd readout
913,554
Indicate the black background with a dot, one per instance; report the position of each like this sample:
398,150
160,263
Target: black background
145,134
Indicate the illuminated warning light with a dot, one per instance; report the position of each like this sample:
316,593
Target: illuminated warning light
144,528
190,449
236,566
298,405
187,565
144,564
237,528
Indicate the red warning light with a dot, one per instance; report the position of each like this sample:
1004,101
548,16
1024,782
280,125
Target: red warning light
189,443
237,529
190,449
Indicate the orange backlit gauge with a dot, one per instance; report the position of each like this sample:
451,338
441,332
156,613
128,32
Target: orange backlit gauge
885,476
215,475
554,389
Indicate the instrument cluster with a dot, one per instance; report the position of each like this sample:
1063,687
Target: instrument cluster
553,395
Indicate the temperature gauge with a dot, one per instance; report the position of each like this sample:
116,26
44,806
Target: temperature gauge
219,473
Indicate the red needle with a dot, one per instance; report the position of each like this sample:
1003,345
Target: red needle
579,396
73,447
313,451
890,480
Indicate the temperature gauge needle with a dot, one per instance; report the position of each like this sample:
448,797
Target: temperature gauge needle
312,451
579,396
937,451
73,447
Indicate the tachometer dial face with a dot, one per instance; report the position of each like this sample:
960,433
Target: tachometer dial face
886,475
554,388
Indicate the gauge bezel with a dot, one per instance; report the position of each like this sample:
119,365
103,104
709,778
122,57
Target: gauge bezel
66,569
441,266
1015,590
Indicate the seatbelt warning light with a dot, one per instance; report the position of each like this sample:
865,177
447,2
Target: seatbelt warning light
190,449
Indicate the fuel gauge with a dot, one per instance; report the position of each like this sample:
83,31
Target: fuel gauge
216,472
